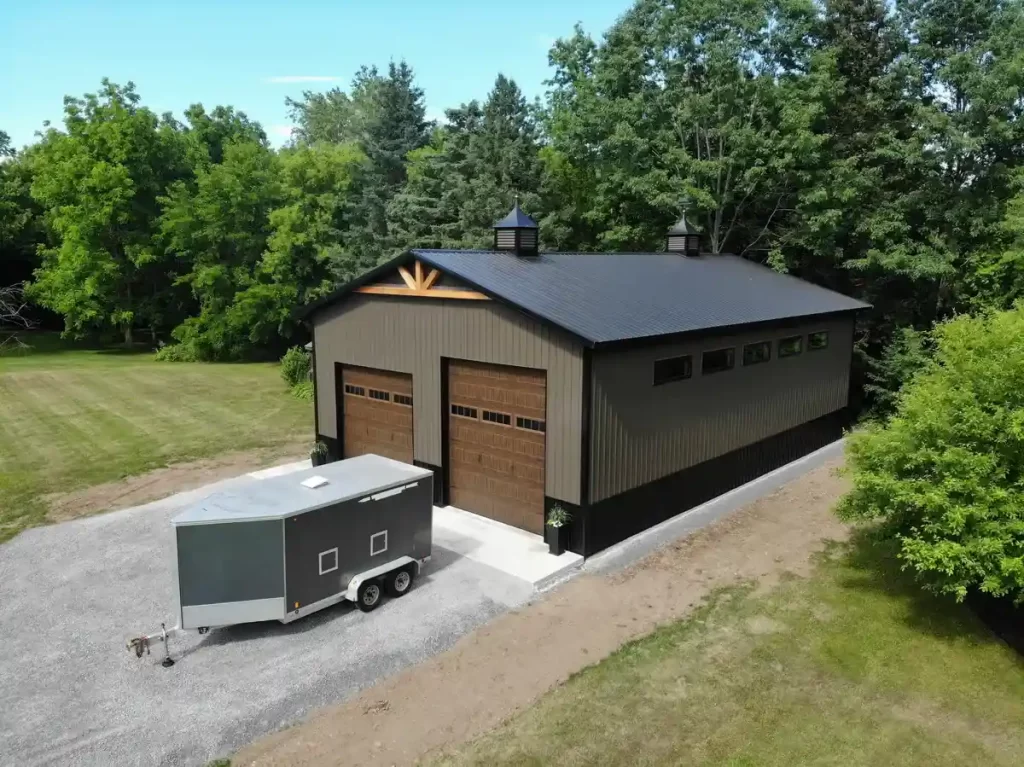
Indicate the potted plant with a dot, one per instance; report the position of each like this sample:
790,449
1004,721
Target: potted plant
557,529
318,455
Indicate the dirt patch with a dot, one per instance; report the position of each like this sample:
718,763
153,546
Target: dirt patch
505,666
161,483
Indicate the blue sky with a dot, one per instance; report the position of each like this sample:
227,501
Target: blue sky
251,55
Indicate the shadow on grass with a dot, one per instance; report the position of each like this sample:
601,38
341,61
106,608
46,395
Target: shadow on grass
873,565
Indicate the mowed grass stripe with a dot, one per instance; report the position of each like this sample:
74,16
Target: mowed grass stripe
56,432
76,419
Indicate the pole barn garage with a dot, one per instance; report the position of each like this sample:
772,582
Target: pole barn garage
623,388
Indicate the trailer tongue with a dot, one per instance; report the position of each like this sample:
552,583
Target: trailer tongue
285,547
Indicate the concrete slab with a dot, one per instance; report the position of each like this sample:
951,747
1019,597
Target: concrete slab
516,552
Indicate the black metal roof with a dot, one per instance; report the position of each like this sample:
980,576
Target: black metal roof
681,227
610,297
516,219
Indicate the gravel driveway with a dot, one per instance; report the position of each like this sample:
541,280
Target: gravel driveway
70,595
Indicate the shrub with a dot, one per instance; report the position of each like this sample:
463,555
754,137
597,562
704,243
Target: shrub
946,474
303,391
295,366
176,353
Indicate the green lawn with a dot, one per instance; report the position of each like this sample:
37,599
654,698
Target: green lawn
74,417
852,666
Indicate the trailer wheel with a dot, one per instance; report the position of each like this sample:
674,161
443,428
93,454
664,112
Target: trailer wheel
368,596
398,582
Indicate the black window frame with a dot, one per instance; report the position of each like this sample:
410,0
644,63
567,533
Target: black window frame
668,376
454,408
767,345
811,347
382,395
799,348
730,352
498,418
531,424
355,390
404,400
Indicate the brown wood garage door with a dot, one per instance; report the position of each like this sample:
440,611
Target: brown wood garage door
378,413
496,442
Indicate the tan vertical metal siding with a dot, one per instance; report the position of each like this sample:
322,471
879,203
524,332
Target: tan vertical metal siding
410,335
641,432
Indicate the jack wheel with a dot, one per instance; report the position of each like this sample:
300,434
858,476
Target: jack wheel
368,596
204,630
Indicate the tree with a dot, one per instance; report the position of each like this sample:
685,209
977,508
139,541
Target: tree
694,100
468,175
99,182
945,476
218,228
21,227
13,316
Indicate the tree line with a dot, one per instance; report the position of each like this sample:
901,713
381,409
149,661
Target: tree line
874,148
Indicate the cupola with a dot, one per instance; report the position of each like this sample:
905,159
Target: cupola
516,233
682,238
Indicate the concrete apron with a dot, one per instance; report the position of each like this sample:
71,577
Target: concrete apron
515,552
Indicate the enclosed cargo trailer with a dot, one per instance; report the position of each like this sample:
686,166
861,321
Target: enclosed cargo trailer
287,546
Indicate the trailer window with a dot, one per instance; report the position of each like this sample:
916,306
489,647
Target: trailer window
529,423
328,561
381,395
359,391
465,412
789,347
817,340
378,543
403,399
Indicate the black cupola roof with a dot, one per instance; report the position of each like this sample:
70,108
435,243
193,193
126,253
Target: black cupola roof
516,233
683,238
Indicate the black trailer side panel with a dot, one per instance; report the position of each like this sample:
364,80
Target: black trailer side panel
230,562
311,538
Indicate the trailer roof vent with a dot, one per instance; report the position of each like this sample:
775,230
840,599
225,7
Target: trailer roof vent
314,482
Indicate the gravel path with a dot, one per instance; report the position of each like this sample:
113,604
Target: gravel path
70,595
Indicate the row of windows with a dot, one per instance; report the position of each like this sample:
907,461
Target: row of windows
502,419
719,360
379,394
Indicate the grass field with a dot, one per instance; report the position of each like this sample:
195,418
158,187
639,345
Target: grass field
72,418
850,667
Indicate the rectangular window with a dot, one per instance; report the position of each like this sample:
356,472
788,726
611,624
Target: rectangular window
328,561
383,396
403,399
817,340
378,543
465,412
789,347
493,417
672,369
755,353
359,391
529,423
717,361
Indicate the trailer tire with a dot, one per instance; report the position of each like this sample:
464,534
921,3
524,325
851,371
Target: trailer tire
368,596
398,582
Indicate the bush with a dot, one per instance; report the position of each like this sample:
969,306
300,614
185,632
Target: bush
303,391
176,353
946,474
295,366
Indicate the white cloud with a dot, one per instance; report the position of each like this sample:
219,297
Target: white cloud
437,115
546,41
281,132
302,79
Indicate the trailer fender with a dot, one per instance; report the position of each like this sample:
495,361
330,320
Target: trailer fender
376,572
